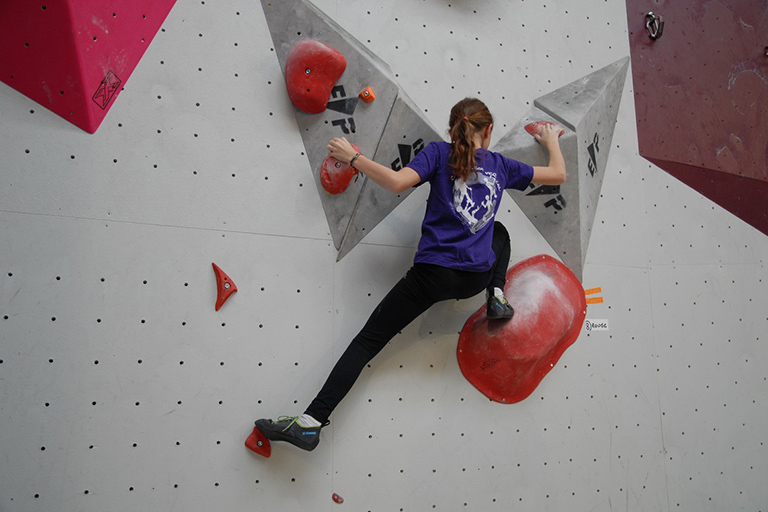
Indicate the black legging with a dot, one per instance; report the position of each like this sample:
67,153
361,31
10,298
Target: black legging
421,287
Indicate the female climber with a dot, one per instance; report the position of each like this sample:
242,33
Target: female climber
462,251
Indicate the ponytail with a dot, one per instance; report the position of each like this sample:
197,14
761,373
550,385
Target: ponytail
468,117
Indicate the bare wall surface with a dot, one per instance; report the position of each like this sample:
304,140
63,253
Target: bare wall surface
122,389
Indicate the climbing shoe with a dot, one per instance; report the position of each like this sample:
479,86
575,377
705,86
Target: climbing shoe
290,429
498,308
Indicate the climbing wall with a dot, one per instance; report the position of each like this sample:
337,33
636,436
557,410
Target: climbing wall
122,388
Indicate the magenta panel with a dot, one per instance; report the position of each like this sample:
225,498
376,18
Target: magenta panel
701,97
74,56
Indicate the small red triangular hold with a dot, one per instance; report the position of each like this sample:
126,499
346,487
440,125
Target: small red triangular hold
224,286
257,442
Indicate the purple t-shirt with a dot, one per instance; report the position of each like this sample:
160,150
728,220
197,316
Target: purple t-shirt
457,230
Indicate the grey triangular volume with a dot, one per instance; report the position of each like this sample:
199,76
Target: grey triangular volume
554,211
588,108
595,132
591,106
406,133
291,21
572,103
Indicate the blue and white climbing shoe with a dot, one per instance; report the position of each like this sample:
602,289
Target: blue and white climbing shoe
497,307
292,430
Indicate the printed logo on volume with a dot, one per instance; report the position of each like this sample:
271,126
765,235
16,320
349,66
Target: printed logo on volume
475,200
107,89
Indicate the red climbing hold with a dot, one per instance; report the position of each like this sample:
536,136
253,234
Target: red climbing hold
258,443
224,285
367,95
338,499
336,176
507,359
535,127
311,70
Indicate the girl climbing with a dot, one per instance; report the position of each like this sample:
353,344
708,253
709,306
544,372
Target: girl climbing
462,250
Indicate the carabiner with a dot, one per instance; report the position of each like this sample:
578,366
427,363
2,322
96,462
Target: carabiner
655,25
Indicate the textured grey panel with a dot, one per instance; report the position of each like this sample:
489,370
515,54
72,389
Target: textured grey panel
406,133
589,108
291,21
554,210
595,142
596,95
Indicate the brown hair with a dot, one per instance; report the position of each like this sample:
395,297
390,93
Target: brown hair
468,117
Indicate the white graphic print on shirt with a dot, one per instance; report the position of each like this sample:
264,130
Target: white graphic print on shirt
475,200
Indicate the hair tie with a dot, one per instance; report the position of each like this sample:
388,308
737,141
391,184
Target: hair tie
466,118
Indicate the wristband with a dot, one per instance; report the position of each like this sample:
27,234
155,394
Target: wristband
352,162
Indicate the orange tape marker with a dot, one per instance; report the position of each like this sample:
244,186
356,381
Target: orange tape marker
594,300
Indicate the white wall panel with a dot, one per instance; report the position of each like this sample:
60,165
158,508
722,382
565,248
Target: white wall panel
107,296
714,393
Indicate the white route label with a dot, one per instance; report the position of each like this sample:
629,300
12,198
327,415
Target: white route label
596,325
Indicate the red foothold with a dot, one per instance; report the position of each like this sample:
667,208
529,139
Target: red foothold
337,498
224,285
257,442
535,127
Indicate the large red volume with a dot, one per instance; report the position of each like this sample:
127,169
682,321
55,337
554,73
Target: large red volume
507,359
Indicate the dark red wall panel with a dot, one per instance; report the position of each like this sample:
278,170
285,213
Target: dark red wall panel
701,97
